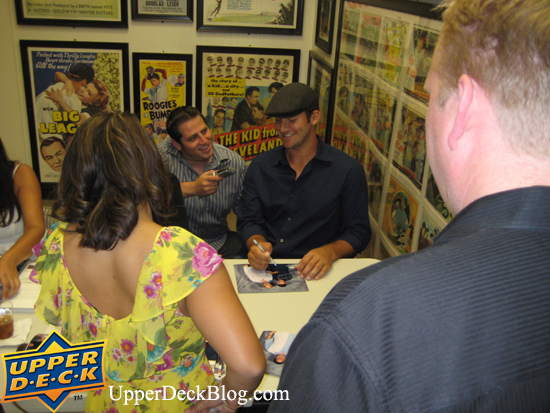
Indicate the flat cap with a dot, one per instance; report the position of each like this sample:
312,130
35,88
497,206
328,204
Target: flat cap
292,100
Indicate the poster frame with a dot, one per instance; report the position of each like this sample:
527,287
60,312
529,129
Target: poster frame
325,45
48,188
204,25
201,50
136,57
182,18
315,58
73,22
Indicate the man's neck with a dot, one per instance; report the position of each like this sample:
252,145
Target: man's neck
299,157
199,166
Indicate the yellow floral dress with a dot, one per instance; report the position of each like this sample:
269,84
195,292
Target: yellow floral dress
156,345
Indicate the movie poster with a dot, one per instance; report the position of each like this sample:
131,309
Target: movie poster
237,89
419,61
250,13
376,172
399,216
69,85
163,86
391,61
383,120
320,80
410,146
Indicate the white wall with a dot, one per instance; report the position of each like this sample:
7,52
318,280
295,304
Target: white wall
145,37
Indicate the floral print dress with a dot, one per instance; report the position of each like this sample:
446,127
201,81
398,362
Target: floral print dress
156,345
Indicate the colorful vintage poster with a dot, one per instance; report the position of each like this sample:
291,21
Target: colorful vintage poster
340,133
325,17
238,88
250,13
375,171
382,120
357,145
419,62
162,88
68,86
362,103
409,154
368,45
434,197
162,7
399,215
320,79
394,34
428,231
103,10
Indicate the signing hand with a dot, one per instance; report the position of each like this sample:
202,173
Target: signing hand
258,259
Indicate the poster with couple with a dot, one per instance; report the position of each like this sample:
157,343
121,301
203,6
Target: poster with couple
65,84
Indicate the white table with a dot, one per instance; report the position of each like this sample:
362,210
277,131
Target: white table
301,306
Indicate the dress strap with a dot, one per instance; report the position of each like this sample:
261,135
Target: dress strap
15,169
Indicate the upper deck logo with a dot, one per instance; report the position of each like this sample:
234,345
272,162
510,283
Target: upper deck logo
53,371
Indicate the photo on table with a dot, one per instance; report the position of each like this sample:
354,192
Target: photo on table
280,278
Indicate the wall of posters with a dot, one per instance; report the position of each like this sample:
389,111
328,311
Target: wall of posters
237,86
380,116
162,83
66,84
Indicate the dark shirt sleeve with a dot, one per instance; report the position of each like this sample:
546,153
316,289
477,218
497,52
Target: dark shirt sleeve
250,217
356,228
241,172
321,374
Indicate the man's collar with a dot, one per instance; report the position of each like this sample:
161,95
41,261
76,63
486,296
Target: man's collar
322,153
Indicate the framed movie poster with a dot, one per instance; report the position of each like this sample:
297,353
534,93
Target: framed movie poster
162,82
383,57
319,77
235,86
325,25
74,13
251,16
65,84
163,10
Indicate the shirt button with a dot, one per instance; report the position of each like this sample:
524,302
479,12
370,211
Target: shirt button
288,219
281,240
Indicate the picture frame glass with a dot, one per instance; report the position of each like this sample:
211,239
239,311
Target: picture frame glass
66,83
236,88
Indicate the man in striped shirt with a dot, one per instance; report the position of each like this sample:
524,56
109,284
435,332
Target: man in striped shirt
193,157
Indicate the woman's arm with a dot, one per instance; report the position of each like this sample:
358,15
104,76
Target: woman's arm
27,190
222,320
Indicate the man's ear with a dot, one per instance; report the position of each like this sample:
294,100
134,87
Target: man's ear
178,145
315,117
466,89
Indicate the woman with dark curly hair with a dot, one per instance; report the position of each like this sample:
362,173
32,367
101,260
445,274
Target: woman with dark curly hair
111,271
21,219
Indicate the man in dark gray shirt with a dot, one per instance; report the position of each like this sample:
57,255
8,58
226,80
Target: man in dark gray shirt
463,325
